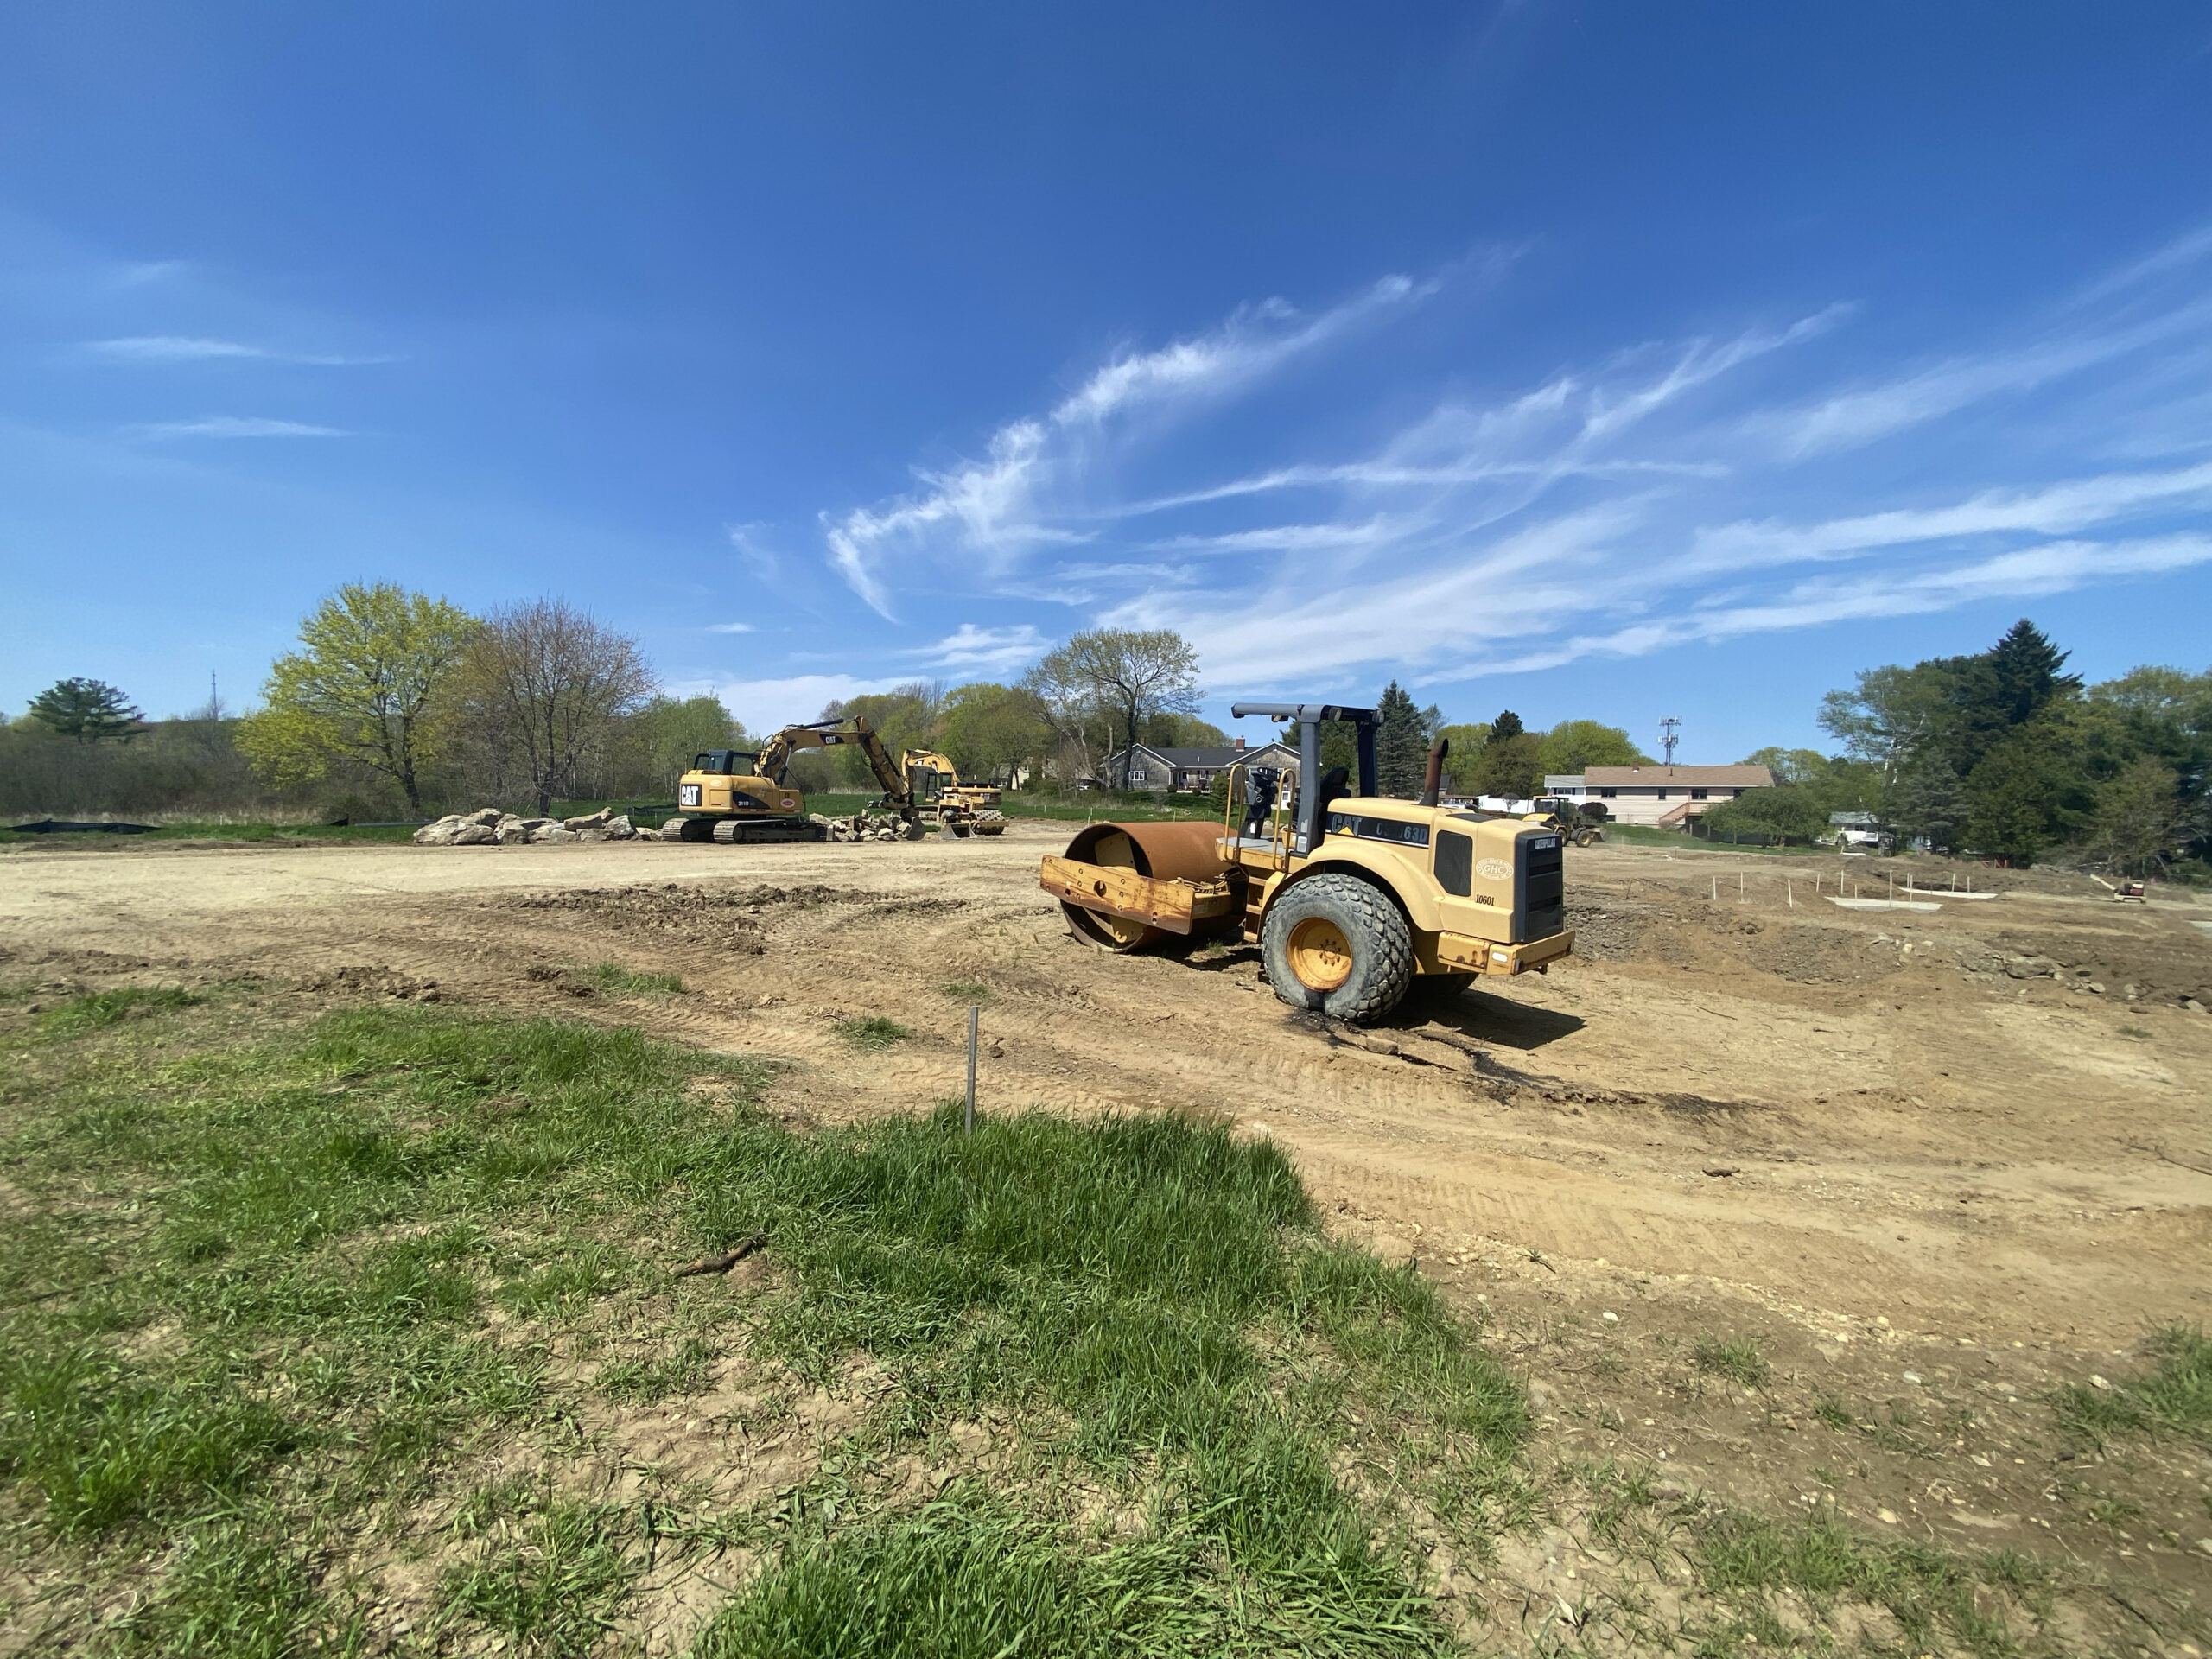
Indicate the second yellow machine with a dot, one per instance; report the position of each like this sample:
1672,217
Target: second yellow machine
1350,896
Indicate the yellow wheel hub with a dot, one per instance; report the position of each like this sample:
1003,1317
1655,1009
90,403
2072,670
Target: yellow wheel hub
1319,954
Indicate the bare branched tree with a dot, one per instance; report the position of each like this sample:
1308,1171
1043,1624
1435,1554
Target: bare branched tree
547,684
1126,675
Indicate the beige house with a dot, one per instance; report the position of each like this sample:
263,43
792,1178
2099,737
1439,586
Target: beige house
1664,797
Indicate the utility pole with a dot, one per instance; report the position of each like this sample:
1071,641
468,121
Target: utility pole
1669,734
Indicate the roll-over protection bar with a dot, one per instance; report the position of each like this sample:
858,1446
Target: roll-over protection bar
1307,717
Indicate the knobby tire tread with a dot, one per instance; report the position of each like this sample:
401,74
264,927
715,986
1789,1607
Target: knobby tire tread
1386,933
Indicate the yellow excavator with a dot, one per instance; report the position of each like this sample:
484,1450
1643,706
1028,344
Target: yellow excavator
731,795
1350,897
935,787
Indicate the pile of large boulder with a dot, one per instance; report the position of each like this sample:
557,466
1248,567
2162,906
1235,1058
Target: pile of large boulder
492,828
869,826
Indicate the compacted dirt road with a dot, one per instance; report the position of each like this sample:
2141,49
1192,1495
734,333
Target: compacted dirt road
1934,1164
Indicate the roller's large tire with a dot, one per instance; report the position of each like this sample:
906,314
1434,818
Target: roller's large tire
1336,945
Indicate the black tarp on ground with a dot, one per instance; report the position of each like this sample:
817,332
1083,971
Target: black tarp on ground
64,826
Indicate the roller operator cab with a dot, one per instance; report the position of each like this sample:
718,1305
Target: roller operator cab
1351,897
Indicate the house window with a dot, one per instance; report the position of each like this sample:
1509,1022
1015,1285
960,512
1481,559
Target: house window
1607,794
1697,794
1663,795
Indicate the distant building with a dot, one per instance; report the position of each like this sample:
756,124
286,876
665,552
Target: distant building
1664,797
1189,771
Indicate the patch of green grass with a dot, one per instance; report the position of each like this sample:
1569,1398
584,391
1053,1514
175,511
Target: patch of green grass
968,1576
2174,1398
613,976
1832,1412
105,1445
100,1009
1930,1592
236,1588
549,1579
966,990
1737,1359
2134,1030
336,1214
873,1034
685,1371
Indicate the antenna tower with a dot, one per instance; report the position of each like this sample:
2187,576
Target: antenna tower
1670,733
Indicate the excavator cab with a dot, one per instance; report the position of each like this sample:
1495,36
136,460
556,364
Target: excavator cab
724,797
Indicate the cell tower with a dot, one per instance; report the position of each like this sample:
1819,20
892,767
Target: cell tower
1670,733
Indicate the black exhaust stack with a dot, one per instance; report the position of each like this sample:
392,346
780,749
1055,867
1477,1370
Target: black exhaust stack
1433,785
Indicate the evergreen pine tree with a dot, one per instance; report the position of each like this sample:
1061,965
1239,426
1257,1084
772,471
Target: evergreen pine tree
1400,745
2024,672
1508,724
86,710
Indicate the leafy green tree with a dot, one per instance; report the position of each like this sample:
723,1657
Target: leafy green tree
373,687
1459,762
1789,811
1891,715
1790,765
87,711
992,732
2012,799
1575,746
671,733
1511,766
2138,817
1169,730
1928,802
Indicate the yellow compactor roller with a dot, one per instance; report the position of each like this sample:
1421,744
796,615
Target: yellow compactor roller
1350,896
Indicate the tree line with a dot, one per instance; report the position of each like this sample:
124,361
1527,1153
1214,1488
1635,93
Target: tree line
2003,754
393,703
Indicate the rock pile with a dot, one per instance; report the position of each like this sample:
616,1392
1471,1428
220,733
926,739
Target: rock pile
869,826
492,828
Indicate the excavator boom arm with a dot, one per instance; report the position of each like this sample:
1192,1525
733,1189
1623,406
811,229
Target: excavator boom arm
776,754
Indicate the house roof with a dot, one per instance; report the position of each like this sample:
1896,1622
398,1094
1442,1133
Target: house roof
1225,755
1615,777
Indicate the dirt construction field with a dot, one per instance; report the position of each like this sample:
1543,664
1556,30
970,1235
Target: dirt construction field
1932,1167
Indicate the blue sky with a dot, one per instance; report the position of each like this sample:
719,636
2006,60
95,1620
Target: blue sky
1607,360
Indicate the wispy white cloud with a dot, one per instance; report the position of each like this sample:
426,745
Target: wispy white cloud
971,650
1705,488
236,426
2055,510
729,627
169,348
196,349
1004,506
752,547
